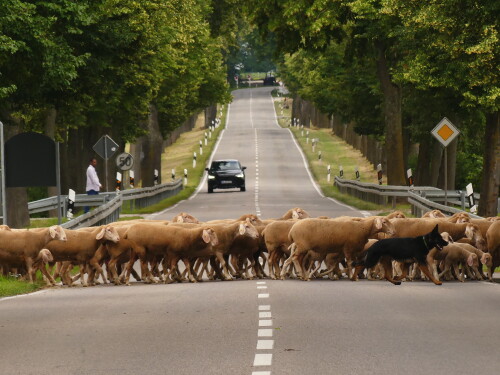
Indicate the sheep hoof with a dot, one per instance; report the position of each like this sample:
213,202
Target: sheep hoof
397,283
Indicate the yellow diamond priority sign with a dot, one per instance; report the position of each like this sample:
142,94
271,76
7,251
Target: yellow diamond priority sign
445,132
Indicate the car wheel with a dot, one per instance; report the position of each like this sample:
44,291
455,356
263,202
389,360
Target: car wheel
210,189
243,188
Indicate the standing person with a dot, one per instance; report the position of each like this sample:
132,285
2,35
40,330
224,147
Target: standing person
93,184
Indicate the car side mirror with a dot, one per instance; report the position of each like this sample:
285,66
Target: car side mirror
243,168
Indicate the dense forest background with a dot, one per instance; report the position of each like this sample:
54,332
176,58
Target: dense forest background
138,70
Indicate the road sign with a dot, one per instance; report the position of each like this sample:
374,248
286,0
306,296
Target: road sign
105,147
124,161
445,132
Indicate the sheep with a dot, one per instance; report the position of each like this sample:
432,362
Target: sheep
418,227
484,258
456,255
27,244
333,235
493,241
238,239
276,239
434,214
184,217
295,213
173,241
81,246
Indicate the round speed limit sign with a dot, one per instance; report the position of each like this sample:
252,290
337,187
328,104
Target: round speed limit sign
124,161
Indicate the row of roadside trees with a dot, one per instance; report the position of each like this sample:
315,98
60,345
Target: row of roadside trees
76,70
394,69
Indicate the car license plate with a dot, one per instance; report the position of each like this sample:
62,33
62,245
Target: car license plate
226,182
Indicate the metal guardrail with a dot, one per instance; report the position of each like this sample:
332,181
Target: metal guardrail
422,198
110,203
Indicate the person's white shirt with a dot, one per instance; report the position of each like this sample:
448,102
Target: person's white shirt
92,179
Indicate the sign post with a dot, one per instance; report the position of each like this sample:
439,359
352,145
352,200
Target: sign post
105,147
445,132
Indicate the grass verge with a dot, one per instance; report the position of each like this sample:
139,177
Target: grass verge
11,286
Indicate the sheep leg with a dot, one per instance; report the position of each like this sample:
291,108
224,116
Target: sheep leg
112,270
97,268
234,263
457,273
187,264
224,265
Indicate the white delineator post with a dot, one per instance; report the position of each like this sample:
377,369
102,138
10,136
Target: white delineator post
156,177
131,176
341,172
470,197
194,160
173,174
71,204
201,148
118,181
329,173
409,174
185,177
379,174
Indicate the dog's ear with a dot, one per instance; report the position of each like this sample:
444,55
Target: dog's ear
436,229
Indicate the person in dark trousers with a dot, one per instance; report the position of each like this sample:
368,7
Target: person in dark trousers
93,184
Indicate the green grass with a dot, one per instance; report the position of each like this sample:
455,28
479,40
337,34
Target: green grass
334,152
10,286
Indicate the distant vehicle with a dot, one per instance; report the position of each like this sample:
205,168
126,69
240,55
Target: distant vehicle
269,80
226,174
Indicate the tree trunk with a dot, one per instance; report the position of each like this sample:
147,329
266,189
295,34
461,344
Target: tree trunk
422,174
393,122
17,197
152,149
452,164
50,131
490,181
436,158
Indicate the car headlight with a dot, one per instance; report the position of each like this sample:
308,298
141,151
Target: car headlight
210,177
240,175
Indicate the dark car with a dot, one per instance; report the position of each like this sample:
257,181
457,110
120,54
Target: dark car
226,174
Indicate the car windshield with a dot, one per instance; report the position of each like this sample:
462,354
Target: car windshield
225,165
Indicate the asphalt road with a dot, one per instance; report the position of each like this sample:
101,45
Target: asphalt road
262,326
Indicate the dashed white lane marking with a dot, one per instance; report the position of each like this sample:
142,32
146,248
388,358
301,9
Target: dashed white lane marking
265,332
265,344
263,360
265,323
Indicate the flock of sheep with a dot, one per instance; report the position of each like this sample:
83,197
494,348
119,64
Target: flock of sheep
294,245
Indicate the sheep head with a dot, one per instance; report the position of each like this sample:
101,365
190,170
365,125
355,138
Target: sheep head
56,232
472,260
108,233
209,236
472,231
384,225
446,236
487,259
299,213
247,229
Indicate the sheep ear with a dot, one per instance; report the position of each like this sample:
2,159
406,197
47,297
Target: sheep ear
378,223
295,214
205,236
470,261
100,235
180,218
243,229
483,258
53,231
